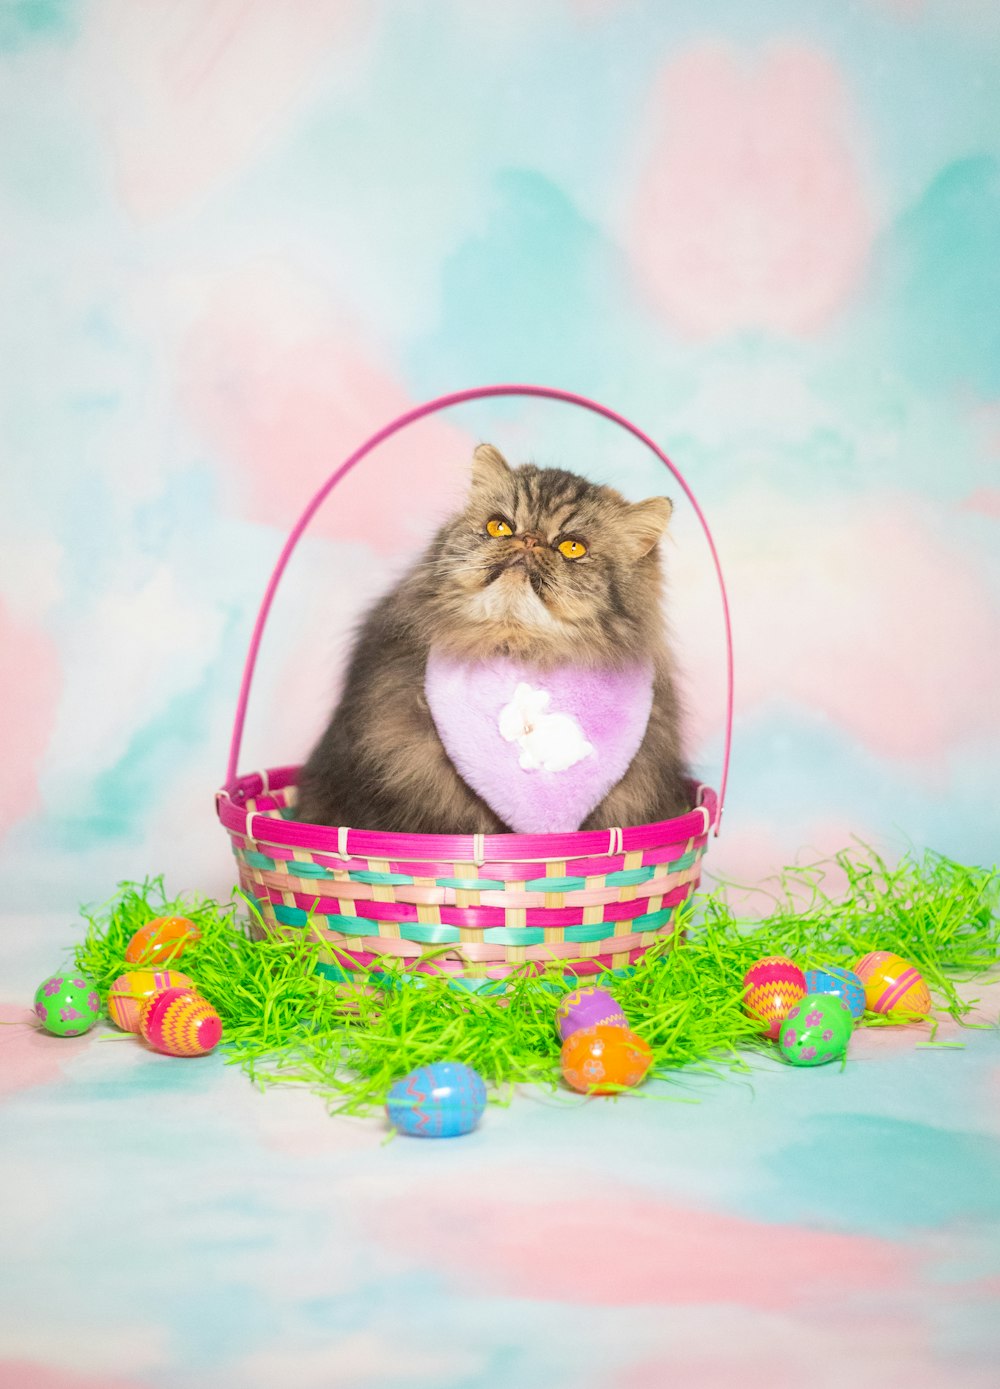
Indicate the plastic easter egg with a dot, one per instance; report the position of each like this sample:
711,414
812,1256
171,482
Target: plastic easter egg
441,1100
816,1030
892,985
867,964
67,1004
179,1022
843,982
773,986
588,1008
600,1060
130,991
161,940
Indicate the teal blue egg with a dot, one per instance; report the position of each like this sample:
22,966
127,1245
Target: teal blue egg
843,982
441,1100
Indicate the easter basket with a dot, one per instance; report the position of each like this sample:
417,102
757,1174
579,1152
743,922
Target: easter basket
474,907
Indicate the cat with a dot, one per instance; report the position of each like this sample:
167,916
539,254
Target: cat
541,566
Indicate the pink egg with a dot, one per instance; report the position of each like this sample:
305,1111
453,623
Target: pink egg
179,1022
773,986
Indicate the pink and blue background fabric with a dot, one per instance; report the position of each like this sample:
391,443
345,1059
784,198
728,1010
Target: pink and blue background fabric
238,237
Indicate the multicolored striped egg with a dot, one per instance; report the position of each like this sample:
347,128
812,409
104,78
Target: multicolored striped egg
161,940
892,985
601,1060
67,1004
130,991
441,1100
179,1022
842,982
816,1030
588,1008
773,986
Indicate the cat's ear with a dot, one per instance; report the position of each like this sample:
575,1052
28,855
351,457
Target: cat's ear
646,522
489,469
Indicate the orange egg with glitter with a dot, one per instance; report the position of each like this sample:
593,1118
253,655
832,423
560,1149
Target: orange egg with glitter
600,1060
179,1022
161,940
130,991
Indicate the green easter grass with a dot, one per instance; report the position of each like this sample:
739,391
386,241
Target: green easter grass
285,1023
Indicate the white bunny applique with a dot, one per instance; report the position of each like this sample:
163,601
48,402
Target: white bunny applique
548,742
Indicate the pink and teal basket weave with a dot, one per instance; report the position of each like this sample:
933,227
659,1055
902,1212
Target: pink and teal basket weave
474,907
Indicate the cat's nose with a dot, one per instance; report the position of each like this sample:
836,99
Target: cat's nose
531,540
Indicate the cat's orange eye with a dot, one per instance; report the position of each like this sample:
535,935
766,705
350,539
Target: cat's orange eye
498,527
572,549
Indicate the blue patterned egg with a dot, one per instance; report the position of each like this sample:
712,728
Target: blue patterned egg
441,1100
834,980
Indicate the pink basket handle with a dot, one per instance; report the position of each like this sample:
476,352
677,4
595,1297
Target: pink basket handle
419,413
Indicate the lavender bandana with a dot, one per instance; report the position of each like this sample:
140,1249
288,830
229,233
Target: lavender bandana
542,748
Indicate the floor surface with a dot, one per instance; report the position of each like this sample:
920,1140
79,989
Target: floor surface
166,1224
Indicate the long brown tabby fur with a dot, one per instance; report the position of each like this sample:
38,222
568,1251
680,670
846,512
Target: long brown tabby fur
380,763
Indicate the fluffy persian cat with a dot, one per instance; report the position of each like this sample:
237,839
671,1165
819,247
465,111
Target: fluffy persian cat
544,567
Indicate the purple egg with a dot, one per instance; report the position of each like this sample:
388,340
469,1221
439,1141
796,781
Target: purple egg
588,1008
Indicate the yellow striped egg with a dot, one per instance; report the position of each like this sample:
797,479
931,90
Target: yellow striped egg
130,991
892,984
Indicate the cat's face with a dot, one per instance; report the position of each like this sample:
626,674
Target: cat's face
545,564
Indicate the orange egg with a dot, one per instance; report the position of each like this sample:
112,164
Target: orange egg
161,940
599,1060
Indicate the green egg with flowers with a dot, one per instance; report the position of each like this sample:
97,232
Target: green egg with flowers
816,1030
67,1004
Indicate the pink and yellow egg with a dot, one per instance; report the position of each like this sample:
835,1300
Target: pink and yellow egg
892,984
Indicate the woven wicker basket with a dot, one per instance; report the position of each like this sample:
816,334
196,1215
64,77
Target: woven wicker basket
474,907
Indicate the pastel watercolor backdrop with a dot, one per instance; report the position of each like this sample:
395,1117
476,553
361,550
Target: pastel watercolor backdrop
236,237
